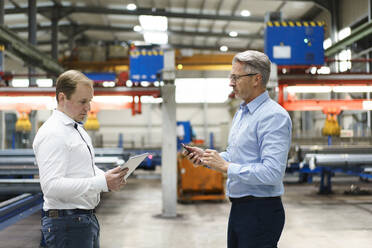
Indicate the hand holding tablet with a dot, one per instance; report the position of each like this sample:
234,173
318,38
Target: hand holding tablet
132,163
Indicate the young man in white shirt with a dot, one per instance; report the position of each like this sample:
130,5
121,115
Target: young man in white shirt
70,181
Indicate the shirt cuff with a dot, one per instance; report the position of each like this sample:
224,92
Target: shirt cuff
101,183
233,170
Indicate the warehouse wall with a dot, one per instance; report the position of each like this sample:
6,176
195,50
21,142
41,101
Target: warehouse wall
145,130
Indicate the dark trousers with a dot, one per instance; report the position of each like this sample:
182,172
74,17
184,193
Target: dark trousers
255,223
78,230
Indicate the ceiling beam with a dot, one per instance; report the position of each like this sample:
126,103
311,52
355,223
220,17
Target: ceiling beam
180,46
85,27
27,52
67,10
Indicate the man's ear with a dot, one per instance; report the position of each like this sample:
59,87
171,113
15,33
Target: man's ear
61,96
258,80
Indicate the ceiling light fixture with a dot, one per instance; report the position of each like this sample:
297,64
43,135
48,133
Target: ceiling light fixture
137,28
154,29
233,34
245,13
224,48
131,7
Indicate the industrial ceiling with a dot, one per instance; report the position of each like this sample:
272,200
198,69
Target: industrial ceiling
201,25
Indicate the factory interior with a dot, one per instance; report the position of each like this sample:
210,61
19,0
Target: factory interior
160,71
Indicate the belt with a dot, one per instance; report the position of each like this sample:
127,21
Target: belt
252,198
55,213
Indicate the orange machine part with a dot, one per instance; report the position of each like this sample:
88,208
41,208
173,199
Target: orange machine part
198,183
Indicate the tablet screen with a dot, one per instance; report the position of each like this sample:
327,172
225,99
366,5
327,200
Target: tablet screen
133,163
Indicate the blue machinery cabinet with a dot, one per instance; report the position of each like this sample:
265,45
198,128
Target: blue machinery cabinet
146,64
295,43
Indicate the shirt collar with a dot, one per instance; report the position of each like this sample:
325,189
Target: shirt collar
255,103
63,117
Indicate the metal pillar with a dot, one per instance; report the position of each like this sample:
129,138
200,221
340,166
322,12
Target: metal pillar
2,12
55,20
2,130
169,147
32,35
169,152
334,29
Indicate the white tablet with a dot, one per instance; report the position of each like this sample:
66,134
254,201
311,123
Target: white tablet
133,163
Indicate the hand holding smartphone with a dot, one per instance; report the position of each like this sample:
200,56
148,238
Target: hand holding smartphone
189,150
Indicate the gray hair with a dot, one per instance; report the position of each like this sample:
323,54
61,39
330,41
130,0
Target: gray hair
255,62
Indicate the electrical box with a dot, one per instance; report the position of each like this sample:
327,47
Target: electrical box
146,64
295,43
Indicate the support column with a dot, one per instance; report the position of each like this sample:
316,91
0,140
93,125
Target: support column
334,30
2,12
169,152
169,147
2,130
32,35
54,37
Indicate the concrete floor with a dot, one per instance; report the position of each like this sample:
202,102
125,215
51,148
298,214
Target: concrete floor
129,219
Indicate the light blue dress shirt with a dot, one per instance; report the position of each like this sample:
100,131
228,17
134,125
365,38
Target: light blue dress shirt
258,146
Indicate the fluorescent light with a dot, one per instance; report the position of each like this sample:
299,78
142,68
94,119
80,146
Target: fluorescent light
344,33
137,28
129,83
44,82
154,29
352,89
245,13
345,55
309,89
131,6
20,82
327,43
324,70
233,34
108,84
153,23
145,84
224,48
155,37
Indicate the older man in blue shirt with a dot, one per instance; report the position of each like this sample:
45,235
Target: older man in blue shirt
255,158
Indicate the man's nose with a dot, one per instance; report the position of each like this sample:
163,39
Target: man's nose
87,107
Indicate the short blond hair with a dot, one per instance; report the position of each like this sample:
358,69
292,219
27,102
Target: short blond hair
67,82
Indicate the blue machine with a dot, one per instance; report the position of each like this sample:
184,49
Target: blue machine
101,76
295,43
146,64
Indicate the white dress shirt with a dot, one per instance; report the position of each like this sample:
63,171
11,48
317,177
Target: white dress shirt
69,178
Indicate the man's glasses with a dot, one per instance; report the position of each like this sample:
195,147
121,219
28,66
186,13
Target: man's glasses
234,77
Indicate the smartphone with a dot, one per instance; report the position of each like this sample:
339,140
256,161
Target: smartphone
186,148
190,151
